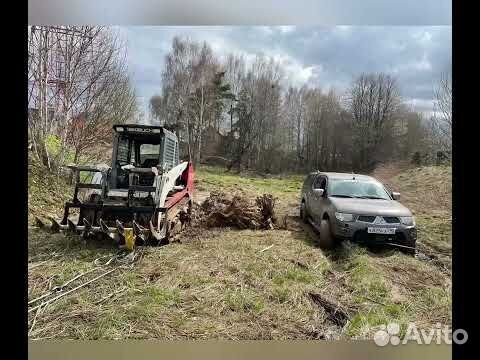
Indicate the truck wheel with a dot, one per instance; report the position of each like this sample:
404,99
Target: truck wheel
411,244
303,212
326,239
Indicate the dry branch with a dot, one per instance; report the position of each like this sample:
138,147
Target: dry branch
335,312
49,301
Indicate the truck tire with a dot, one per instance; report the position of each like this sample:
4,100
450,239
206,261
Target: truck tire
303,213
411,244
326,239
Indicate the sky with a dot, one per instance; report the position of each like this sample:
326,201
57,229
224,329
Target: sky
323,56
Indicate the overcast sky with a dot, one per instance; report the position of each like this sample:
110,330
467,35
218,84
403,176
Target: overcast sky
315,55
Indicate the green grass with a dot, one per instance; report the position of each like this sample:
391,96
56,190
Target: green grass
216,178
244,301
293,275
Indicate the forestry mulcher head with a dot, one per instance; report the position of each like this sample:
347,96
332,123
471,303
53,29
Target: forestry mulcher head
145,196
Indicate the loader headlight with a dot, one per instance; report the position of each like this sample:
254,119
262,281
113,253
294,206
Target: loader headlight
407,220
344,217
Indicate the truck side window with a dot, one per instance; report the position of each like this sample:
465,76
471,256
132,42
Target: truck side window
320,183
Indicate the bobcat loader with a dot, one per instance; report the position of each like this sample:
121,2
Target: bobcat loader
144,197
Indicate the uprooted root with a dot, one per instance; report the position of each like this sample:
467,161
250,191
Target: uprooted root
222,210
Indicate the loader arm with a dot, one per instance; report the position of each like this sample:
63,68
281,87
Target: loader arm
166,183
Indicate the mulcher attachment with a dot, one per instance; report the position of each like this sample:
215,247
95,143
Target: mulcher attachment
124,236
55,227
72,228
87,229
155,234
140,232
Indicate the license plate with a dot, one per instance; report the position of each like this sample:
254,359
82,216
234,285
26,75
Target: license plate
378,230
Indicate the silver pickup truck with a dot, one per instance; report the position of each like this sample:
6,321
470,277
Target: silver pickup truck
358,208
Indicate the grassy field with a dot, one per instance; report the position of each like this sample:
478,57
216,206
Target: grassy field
231,284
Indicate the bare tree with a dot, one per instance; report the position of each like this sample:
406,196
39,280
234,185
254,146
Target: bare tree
294,122
373,100
91,130
442,119
235,72
71,70
193,93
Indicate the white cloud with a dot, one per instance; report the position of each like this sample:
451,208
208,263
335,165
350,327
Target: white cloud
287,29
329,57
266,30
423,36
423,65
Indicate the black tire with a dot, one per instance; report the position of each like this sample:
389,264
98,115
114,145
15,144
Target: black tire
408,251
303,213
326,239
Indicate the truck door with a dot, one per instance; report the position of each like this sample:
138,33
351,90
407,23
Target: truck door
317,202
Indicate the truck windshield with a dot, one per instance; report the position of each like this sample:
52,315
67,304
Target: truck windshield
357,189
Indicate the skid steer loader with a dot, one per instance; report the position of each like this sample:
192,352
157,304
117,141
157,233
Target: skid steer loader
144,197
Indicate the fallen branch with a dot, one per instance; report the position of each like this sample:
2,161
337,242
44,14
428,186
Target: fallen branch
373,300
30,267
110,295
48,302
335,312
268,247
61,287
34,320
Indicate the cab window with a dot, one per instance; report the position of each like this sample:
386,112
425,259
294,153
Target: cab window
320,182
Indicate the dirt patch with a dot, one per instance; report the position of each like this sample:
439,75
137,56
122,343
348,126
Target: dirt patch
386,172
412,276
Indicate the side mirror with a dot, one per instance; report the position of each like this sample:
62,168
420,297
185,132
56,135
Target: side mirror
396,195
318,192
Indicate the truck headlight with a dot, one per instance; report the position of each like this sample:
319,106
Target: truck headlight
344,217
407,220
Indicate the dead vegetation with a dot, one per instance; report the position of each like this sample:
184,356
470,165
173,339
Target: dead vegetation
237,211
47,192
242,284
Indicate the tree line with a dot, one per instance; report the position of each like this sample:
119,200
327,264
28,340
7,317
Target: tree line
78,87
271,126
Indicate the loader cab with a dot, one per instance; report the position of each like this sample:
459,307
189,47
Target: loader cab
143,147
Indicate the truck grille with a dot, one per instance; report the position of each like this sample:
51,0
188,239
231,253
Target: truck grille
366,218
371,219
